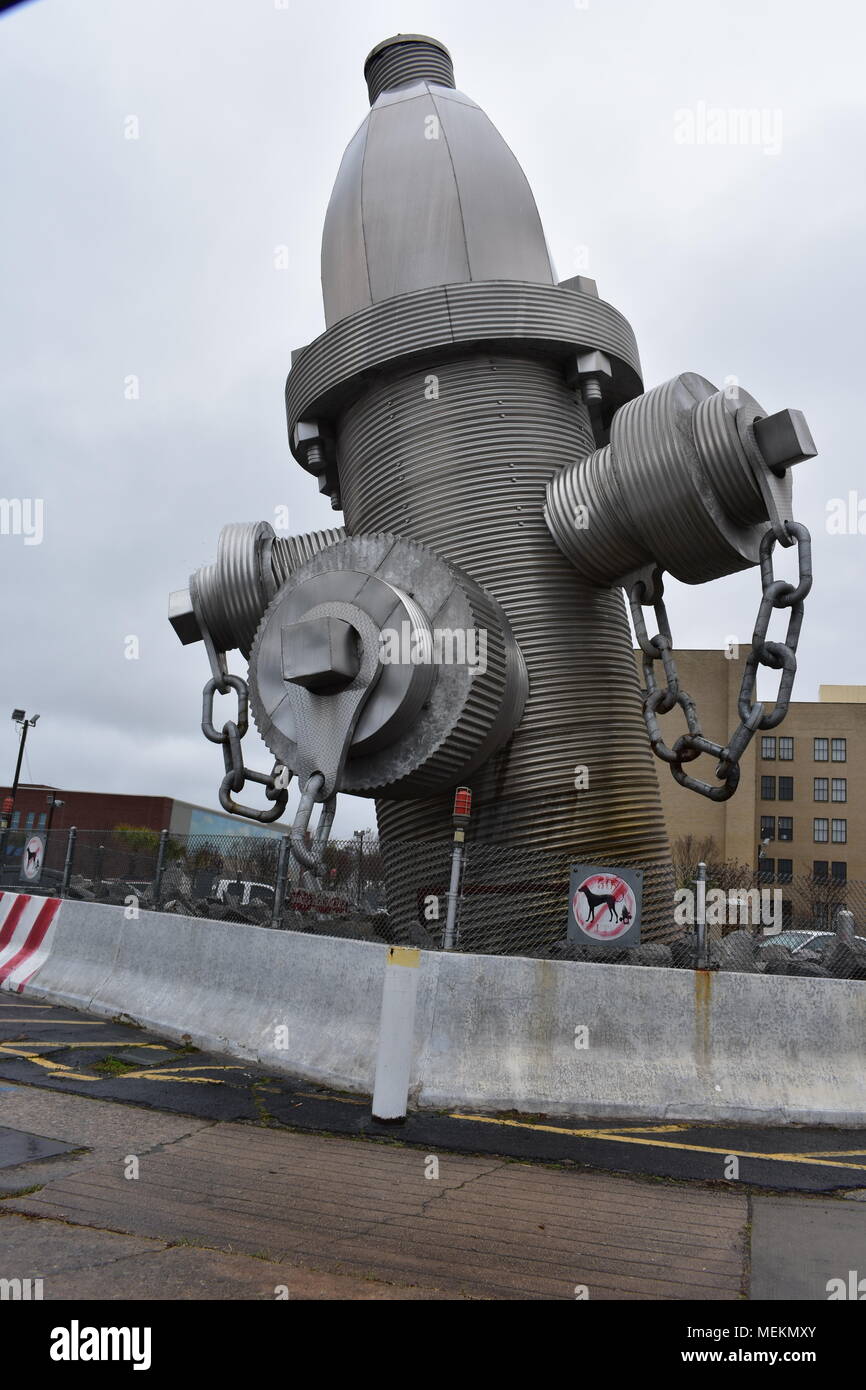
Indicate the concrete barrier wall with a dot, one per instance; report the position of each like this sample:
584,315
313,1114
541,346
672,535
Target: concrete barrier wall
286,1000
662,1044
491,1032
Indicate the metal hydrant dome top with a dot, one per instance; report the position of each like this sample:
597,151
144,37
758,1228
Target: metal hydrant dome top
429,195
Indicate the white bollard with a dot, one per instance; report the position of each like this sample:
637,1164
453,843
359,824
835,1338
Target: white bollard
396,1033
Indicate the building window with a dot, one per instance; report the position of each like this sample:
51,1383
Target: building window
28,824
766,869
768,746
786,870
768,827
819,868
768,789
839,750
786,749
840,789
821,831
43,818
786,789
822,750
839,832
16,820
840,871
786,828
821,789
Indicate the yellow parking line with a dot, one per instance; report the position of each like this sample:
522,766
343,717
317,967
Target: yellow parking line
175,1074
842,1153
54,1068
612,1137
344,1100
167,1076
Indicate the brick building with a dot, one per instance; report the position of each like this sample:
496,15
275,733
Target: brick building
802,788
105,810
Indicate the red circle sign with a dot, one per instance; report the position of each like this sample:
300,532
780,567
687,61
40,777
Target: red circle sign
604,907
33,857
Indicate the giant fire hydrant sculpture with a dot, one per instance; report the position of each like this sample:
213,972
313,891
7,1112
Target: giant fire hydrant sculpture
503,478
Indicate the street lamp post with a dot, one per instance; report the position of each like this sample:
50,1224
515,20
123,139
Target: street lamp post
19,717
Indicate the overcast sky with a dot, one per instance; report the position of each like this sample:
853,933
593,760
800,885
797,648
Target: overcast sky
154,257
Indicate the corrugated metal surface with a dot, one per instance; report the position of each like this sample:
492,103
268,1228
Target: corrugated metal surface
503,313
393,63
466,474
290,552
681,522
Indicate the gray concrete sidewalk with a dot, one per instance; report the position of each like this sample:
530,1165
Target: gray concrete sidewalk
230,1211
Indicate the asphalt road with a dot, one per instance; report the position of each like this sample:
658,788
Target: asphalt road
59,1049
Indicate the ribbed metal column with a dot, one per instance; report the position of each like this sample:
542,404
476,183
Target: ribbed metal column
465,472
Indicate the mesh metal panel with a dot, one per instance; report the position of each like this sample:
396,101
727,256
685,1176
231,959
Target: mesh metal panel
511,901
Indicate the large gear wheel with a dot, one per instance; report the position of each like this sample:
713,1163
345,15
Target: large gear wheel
451,684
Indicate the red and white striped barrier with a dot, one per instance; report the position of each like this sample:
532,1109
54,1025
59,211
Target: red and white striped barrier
27,925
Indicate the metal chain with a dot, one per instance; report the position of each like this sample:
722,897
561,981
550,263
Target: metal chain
276,782
312,857
777,593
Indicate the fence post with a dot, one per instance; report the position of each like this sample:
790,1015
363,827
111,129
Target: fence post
460,814
97,877
844,926
160,867
67,863
280,886
703,961
449,940
359,836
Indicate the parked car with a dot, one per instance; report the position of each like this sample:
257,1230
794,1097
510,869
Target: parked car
799,940
242,890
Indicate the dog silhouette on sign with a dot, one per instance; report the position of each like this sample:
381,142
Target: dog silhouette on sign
32,859
596,900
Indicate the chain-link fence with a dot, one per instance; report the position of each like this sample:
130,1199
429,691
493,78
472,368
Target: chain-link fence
508,900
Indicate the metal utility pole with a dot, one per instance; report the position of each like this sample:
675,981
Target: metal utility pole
703,956
19,717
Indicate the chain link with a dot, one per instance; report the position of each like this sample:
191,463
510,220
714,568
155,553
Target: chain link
776,593
275,783
311,856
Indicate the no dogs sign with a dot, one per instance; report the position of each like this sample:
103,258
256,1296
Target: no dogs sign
604,905
32,857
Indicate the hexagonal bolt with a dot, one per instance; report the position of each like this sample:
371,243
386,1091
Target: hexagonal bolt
587,373
580,284
784,439
321,654
182,617
593,364
308,445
